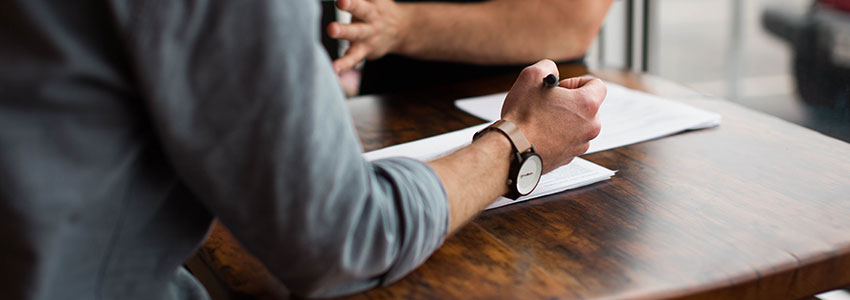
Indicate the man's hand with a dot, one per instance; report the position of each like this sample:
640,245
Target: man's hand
559,121
377,28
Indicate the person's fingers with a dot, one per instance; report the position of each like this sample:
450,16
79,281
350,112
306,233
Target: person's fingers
359,9
593,130
350,32
589,96
574,82
593,88
349,80
354,55
538,71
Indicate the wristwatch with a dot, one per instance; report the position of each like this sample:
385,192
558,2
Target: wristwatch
526,165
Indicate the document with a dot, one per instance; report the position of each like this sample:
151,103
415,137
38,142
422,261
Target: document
576,174
628,116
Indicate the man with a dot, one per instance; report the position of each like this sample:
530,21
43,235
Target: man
449,40
127,126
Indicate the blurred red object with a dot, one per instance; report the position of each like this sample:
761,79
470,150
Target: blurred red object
839,4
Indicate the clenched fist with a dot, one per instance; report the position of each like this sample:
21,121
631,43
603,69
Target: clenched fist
559,121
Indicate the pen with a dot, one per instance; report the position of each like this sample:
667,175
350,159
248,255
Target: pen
550,80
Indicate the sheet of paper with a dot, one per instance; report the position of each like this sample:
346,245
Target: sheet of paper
628,116
578,173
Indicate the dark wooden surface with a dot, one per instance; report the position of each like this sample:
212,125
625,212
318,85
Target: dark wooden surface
756,208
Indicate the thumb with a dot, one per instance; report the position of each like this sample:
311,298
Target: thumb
539,70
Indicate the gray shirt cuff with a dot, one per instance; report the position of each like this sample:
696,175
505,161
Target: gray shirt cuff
424,209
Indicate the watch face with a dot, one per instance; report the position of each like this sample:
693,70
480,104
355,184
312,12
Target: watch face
529,174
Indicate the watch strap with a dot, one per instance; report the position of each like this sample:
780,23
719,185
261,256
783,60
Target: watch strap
512,132
522,149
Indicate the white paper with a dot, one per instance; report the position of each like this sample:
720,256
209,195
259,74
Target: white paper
576,174
628,116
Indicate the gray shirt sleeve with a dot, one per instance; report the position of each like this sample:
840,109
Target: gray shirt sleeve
247,108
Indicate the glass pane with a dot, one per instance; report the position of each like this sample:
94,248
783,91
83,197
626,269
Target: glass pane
793,59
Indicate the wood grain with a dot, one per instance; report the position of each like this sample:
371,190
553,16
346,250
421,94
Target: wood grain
490,269
756,208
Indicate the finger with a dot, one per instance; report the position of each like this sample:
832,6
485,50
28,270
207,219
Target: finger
575,82
589,96
593,87
351,32
359,9
593,129
349,80
354,55
539,70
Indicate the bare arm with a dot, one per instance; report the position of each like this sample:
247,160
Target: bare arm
491,32
475,175
501,31
269,147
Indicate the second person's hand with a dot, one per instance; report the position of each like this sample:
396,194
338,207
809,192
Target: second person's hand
377,28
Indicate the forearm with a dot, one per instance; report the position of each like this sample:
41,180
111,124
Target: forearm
474,176
272,152
500,31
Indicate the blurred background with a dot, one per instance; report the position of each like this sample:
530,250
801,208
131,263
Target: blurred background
787,58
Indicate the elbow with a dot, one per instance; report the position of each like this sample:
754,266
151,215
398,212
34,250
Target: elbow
351,258
569,47
582,42
318,289
388,229
330,271
573,39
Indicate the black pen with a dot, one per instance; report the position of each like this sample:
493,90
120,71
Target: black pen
550,80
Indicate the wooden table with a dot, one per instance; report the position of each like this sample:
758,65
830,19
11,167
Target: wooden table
756,208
